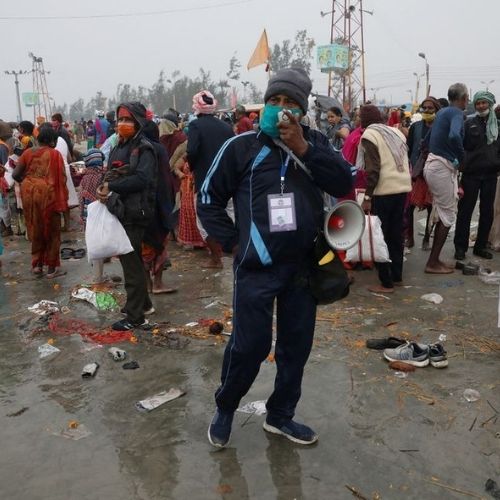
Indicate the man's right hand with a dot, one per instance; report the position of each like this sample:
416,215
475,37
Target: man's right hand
103,192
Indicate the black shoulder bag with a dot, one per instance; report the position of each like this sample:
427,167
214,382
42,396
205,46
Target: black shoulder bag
328,280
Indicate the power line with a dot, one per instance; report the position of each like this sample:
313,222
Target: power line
130,14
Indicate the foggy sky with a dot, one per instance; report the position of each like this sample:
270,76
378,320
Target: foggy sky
88,55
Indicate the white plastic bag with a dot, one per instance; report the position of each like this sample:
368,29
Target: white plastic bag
372,246
104,234
8,173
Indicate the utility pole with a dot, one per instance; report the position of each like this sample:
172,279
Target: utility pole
349,85
427,85
40,88
417,76
487,84
16,81
245,85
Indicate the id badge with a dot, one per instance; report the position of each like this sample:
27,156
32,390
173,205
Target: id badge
281,212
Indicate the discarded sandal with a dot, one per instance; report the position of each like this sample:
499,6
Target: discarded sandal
159,291
55,274
67,253
387,343
79,253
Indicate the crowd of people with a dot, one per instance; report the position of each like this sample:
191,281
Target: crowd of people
255,187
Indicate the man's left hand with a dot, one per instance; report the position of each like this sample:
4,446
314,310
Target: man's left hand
291,134
366,206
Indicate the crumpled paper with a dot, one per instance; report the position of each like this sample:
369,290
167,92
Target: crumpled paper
159,399
103,301
44,307
435,298
255,407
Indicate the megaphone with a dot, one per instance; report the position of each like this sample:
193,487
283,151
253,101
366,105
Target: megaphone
344,225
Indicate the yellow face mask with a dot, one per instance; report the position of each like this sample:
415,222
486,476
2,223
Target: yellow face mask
428,117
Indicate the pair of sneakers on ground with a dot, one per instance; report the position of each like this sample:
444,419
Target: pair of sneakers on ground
219,430
419,355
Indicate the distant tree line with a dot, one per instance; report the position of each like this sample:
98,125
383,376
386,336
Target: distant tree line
176,90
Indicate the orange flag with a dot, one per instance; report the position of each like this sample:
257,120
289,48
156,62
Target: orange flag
261,53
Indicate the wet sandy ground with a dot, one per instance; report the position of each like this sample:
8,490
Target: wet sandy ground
380,435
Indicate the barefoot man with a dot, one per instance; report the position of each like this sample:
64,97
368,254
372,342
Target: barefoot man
446,152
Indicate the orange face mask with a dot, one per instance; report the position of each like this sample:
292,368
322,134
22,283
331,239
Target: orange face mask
126,130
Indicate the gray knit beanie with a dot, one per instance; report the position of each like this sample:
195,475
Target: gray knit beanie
292,82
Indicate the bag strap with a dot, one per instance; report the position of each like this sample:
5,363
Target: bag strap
292,155
370,237
360,251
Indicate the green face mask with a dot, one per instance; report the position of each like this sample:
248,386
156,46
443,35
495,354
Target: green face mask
269,119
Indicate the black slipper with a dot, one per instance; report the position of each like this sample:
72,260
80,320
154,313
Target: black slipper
387,343
67,253
79,253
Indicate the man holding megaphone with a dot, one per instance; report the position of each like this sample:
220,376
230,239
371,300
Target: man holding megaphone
276,178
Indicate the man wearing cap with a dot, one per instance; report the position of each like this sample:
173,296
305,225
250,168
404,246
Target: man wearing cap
129,192
279,210
479,170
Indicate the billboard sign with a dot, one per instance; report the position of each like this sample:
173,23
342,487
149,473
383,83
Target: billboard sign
333,57
30,99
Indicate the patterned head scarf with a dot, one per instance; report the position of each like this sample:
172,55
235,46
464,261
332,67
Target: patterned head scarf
204,103
492,123
93,158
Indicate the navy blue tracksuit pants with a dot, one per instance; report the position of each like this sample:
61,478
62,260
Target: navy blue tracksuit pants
254,294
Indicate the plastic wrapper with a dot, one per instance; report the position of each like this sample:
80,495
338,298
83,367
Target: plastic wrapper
103,301
153,402
255,407
44,307
434,298
47,350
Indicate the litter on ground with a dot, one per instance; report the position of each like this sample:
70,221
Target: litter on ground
159,399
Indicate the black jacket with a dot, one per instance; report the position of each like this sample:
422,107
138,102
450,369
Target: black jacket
132,174
205,135
481,158
416,135
247,169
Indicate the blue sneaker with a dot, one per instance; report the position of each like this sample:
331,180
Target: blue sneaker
219,430
298,433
